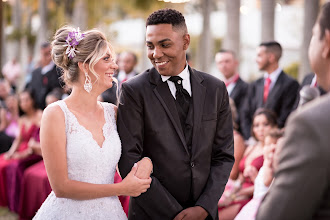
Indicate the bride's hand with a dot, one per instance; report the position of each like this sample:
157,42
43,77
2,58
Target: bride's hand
144,168
134,186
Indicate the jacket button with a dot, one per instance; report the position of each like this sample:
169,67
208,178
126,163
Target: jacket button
192,164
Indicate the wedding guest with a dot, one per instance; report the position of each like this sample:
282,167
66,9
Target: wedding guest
9,122
263,121
29,124
35,186
227,63
12,71
46,77
4,92
265,175
275,90
239,148
301,186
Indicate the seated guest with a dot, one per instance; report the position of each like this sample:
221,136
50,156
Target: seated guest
239,148
301,189
263,121
12,72
35,186
8,123
53,96
4,92
265,175
29,124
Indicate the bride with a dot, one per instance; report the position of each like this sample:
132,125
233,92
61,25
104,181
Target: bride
79,140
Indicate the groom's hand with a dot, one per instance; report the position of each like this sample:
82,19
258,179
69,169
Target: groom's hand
192,213
144,168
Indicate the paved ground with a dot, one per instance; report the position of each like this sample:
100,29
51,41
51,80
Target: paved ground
5,214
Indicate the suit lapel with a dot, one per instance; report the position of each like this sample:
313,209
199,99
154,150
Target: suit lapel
166,99
198,97
234,93
276,89
260,93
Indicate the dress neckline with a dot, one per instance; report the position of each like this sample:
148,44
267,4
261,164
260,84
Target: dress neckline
88,131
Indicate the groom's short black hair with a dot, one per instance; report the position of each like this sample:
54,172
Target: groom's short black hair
168,16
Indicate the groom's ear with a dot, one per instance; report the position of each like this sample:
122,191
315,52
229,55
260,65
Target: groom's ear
186,41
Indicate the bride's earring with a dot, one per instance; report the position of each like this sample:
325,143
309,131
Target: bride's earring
88,83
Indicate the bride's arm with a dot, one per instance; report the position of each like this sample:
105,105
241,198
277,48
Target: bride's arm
53,146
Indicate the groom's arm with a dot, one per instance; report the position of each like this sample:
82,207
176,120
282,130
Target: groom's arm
131,131
222,157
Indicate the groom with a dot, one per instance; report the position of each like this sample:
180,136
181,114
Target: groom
180,118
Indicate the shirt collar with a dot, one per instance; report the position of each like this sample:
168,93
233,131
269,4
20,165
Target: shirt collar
232,80
122,75
47,68
184,75
274,75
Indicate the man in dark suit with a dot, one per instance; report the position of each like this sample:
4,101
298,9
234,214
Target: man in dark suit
301,188
46,77
182,124
227,64
275,90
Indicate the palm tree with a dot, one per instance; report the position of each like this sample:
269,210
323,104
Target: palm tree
232,39
267,19
311,8
17,24
42,35
79,18
205,44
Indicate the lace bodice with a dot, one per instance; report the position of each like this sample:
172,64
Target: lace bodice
87,162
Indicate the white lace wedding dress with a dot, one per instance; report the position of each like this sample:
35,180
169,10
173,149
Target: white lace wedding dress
87,162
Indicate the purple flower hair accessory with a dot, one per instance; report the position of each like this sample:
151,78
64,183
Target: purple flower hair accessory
72,40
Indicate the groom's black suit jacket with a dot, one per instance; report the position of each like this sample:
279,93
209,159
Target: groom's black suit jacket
149,125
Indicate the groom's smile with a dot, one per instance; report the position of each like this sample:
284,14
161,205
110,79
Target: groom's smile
166,48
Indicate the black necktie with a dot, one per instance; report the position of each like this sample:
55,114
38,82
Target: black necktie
181,95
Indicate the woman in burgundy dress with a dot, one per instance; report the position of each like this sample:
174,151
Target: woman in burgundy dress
35,185
263,121
11,169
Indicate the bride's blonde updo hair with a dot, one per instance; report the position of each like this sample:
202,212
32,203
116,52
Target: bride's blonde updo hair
90,49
